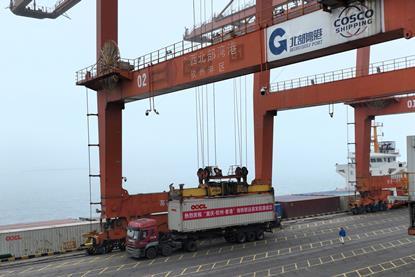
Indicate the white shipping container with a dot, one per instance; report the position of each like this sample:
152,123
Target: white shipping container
210,213
44,239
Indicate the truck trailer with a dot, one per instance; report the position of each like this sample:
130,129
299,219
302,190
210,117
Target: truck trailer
238,212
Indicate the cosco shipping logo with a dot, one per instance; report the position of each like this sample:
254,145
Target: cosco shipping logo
277,45
354,20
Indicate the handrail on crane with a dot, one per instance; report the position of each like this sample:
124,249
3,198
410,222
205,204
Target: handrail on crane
282,11
22,8
343,74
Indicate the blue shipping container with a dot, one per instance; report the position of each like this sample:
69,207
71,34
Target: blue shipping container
278,210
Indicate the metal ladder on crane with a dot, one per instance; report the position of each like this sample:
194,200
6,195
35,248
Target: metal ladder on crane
351,148
91,175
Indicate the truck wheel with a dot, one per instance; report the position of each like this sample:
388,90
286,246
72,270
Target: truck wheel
151,253
240,237
166,250
260,235
190,246
250,236
230,237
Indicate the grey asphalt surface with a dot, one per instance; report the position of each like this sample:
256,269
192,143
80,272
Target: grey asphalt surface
377,244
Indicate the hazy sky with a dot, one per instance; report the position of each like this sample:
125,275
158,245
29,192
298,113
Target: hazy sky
43,142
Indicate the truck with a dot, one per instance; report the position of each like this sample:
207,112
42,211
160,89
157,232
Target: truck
236,211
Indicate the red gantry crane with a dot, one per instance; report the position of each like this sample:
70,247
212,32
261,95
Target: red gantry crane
269,35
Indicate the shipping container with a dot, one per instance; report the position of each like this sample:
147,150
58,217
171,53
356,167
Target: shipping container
190,215
37,239
307,205
278,211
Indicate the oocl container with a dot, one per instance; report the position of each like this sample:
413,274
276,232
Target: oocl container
44,239
190,215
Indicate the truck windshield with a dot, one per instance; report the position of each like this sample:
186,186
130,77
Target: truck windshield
133,234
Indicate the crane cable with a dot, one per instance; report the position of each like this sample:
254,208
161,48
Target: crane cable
240,103
214,97
246,125
203,136
197,126
201,123
241,119
207,123
196,92
234,119
214,122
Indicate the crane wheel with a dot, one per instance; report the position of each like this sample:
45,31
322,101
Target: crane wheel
91,251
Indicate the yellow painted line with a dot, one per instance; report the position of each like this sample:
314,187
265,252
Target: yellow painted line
40,269
121,266
26,270
86,273
102,271
136,264
61,265
184,270
78,262
93,260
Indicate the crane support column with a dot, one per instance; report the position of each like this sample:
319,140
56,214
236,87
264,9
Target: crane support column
110,119
264,130
363,124
263,120
410,144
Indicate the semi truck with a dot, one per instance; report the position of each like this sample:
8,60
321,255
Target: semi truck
236,211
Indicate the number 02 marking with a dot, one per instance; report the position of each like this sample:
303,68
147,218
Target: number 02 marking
142,80
411,104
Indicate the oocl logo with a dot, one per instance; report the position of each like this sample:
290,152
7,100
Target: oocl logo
354,20
277,47
198,207
13,237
